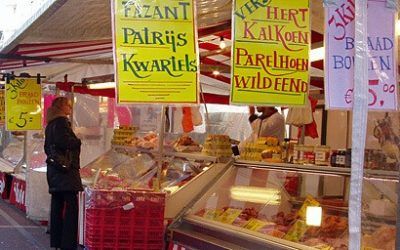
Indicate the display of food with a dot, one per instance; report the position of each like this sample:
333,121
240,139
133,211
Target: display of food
252,151
384,238
116,171
377,159
129,137
217,145
273,151
264,149
124,135
290,226
186,144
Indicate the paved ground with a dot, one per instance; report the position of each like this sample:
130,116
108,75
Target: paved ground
17,232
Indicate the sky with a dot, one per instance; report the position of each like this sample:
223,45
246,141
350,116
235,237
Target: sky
14,13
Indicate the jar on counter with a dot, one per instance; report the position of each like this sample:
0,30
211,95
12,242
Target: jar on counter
296,154
341,158
322,154
306,155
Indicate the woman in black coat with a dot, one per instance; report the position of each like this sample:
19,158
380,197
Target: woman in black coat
64,182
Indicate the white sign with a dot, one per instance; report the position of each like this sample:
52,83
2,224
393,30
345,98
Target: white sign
340,51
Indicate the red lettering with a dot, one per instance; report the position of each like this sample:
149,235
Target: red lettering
247,31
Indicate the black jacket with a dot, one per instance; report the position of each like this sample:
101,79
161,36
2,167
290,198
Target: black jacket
59,133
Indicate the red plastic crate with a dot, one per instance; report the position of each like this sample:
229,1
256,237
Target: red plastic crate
141,227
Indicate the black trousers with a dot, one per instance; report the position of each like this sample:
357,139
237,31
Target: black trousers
64,220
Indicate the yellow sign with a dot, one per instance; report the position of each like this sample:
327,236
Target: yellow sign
2,108
270,52
229,215
155,51
255,224
23,104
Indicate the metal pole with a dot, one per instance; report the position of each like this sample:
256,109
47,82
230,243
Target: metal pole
207,120
359,124
72,105
159,154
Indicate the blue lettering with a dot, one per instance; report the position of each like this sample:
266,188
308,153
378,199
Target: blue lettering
349,43
341,62
387,43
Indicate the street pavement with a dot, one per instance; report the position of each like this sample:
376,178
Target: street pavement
18,232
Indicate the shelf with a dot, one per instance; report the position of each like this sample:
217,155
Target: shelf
315,169
193,156
133,149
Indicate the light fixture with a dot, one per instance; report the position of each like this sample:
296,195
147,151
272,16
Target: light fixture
222,43
216,72
103,85
267,196
313,216
317,54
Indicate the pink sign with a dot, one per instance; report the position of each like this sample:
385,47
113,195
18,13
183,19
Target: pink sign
48,99
340,51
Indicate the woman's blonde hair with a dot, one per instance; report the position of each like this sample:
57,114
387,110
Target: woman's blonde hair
59,102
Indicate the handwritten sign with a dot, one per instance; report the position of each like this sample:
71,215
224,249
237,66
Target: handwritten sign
155,51
2,107
270,52
340,51
23,105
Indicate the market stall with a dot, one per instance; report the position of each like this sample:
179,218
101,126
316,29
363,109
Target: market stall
289,176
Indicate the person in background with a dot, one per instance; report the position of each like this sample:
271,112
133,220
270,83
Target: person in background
64,184
269,123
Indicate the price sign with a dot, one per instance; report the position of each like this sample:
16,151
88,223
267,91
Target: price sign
23,105
340,55
155,51
2,107
270,64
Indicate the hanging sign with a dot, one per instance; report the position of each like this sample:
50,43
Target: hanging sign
340,51
270,52
23,104
155,51
2,107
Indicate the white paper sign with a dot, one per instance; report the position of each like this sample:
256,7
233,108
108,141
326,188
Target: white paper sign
340,51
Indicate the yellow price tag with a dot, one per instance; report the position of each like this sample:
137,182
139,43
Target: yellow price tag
297,231
255,224
229,216
23,105
213,214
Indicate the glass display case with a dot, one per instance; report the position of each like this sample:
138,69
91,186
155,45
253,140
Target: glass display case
182,175
285,206
11,151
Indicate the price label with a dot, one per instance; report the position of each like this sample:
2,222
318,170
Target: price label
229,216
23,105
213,214
255,224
